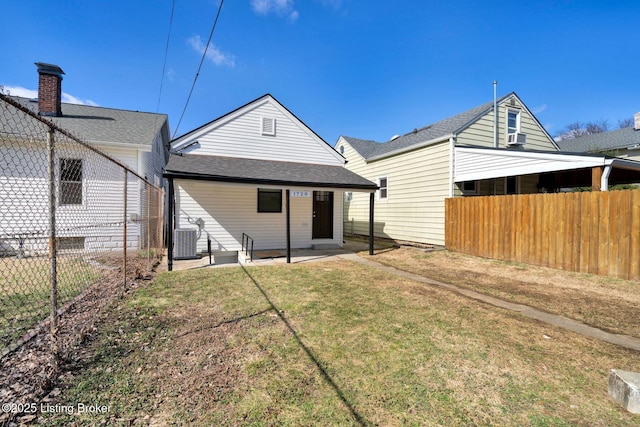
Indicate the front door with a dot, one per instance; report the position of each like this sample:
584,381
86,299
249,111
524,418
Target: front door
322,215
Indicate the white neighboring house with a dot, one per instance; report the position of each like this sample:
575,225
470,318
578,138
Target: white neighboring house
89,189
241,174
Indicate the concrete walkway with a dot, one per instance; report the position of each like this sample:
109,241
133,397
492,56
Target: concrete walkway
348,253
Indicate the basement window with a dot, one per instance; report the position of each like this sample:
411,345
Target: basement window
71,243
269,200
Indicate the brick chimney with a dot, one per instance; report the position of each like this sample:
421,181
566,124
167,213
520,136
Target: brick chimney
49,89
636,121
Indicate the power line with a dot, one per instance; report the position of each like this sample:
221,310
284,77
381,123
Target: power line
204,54
166,51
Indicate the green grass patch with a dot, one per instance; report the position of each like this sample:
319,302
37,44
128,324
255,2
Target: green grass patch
334,343
25,290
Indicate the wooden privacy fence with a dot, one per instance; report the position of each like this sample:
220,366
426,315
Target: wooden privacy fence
594,232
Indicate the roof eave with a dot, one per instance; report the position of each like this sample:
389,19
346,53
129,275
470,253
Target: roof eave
412,147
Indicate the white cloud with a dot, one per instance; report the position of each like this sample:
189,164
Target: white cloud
32,94
539,109
279,7
213,53
20,91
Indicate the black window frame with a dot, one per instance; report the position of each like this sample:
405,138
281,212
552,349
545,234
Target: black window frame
269,200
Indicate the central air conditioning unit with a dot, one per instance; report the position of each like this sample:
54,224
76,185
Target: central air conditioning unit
185,243
516,138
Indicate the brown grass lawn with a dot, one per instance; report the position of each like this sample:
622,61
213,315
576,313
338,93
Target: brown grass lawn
606,303
340,343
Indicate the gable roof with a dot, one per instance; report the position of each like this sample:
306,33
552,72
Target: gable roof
109,126
265,172
188,137
435,132
615,139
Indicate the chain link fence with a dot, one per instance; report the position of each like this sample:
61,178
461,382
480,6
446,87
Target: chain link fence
70,217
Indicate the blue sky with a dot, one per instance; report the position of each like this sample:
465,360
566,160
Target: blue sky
366,69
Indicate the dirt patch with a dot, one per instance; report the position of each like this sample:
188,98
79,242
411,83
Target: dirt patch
32,371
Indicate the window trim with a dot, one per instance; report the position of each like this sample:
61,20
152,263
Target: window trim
62,182
518,114
260,208
386,188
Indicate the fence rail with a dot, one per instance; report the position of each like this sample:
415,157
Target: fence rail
591,232
70,216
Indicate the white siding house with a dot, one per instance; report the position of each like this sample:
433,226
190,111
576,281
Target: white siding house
87,216
241,173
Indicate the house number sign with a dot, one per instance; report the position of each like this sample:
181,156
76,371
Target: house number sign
300,194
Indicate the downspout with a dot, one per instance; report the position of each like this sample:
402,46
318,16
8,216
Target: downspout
604,181
495,114
451,164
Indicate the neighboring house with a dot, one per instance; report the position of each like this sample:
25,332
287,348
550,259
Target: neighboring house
623,142
257,171
468,154
85,200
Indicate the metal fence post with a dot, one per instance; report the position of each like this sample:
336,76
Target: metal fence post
51,157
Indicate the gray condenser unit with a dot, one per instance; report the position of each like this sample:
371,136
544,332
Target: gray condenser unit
185,243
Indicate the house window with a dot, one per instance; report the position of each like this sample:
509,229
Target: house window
71,243
383,192
513,122
512,185
70,181
269,126
269,200
470,187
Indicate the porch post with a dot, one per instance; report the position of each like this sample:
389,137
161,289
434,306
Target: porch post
170,227
596,178
371,199
288,229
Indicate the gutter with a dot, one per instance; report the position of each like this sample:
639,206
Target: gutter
412,147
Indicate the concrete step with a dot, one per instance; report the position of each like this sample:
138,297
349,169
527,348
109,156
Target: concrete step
624,389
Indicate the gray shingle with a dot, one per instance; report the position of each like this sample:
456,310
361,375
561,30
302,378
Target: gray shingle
235,169
105,125
612,140
451,125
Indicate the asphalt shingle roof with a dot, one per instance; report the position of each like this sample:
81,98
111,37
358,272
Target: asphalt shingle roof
615,139
104,125
255,171
451,125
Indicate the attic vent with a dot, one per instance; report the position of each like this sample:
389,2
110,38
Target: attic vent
512,101
269,126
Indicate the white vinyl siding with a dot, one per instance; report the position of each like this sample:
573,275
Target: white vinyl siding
228,210
415,211
242,136
24,192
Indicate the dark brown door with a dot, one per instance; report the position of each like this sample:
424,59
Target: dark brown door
322,215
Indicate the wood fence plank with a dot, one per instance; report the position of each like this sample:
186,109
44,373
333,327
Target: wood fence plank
603,233
623,214
634,237
584,221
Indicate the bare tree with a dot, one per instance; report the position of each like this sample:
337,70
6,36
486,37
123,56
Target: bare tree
625,123
578,129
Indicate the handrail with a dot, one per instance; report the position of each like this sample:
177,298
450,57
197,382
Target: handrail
245,248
